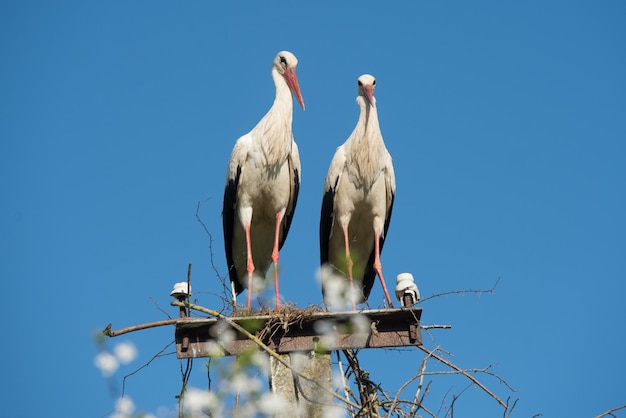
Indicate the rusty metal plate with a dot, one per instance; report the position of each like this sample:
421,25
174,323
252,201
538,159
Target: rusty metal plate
310,331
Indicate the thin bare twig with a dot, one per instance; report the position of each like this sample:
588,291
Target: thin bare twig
484,370
154,302
416,402
455,292
356,370
454,399
157,355
464,373
420,375
610,411
420,401
509,410
213,266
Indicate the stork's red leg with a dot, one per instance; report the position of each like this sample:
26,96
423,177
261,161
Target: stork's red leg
379,268
275,258
350,264
250,265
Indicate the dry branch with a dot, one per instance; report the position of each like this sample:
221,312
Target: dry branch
464,373
610,411
419,375
435,326
110,333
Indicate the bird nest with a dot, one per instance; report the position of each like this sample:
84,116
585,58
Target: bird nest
268,323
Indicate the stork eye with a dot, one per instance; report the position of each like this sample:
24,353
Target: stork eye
283,61
360,84
374,83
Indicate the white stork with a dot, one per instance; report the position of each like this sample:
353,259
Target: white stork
358,198
262,185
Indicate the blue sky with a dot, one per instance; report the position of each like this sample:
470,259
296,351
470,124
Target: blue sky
506,122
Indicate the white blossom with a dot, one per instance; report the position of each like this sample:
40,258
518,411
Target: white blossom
196,401
334,411
271,404
124,407
125,352
338,294
107,363
261,361
360,323
339,381
242,383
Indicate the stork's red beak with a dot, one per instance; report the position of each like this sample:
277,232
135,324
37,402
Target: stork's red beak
369,94
292,82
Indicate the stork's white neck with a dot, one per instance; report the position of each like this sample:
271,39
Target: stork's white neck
367,127
274,129
366,146
283,93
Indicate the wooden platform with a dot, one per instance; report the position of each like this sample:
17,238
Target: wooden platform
300,331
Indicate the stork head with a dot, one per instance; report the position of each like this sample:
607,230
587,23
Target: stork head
285,63
367,85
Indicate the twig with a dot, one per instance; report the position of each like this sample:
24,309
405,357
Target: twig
454,292
484,370
343,379
416,402
507,413
143,366
154,302
435,326
464,373
356,370
419,374
110,333
443,405
420,401
610,411
500,379
213,266
456,398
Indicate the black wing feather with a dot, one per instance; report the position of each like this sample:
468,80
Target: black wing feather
289,214
228,223
326,224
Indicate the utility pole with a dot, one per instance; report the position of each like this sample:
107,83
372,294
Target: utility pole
307,398
300,353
